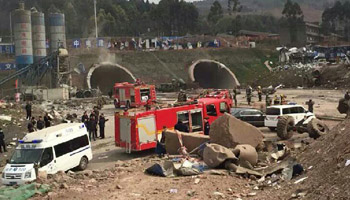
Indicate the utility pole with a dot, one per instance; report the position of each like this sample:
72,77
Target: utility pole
11,27
95,19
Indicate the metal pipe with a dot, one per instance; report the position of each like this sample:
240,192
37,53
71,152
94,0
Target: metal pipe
95,19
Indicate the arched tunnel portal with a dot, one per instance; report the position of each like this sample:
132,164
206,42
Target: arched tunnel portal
212,74
105,75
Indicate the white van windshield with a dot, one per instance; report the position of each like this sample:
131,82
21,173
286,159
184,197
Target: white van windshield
26,156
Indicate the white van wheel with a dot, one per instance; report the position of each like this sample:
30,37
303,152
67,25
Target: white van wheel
83,163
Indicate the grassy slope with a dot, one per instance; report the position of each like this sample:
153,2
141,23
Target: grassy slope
247,64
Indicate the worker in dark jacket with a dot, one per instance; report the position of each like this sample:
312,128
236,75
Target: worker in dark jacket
92,128
85,119
310,104
206,126
101,123
2,141
47,120
29,110
40,124
181,126
160,148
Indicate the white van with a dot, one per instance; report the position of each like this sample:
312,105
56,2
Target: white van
274,113
57,148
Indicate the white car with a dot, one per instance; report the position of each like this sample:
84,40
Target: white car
274,113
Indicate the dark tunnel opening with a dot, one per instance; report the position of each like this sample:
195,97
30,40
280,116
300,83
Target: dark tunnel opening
104,76
212,74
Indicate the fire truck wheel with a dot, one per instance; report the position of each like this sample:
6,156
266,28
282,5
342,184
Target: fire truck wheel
285,126
316,128
83,163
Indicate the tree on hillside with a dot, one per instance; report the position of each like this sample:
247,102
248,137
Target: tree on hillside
336,19
292,19
236,7
292,12
215,13
174,17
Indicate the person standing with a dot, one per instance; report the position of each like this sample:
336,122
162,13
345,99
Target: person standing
206,126
40,124
160,148
2,141
268,100
235,96
85,119
47,120
92,128
310,104
101,123
28,108
260,93
249,91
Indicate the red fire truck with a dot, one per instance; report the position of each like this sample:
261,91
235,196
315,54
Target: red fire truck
136,130
133,95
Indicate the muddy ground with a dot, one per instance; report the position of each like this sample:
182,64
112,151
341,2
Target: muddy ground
118,175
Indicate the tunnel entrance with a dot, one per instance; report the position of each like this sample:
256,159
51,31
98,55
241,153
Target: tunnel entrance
212,74
105,75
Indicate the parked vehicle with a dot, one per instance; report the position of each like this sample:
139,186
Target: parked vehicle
252,116
133,95
53,149
274,113
288,119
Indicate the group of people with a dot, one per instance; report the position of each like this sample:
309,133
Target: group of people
92,121
33,124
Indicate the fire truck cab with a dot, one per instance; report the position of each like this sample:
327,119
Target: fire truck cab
133,95
136,130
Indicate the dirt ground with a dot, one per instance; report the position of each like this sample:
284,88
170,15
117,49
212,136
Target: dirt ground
126,179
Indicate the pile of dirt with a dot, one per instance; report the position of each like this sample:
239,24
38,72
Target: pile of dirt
327,171
329,176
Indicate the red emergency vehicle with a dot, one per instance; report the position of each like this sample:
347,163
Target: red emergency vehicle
136,130
133,95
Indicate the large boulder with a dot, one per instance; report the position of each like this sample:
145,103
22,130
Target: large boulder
190,141
229,132
215,155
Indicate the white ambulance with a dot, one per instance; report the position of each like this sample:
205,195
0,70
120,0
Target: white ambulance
53,149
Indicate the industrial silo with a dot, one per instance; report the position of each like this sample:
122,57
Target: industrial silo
39,36
23,36
57,31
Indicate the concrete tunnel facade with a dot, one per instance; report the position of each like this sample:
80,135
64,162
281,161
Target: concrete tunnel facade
212,74
105,75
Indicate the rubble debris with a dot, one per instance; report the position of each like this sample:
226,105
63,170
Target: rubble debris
317,128
282,151
215,155
300,180
190,141
173,191
229,132
246,153
5,118
219,194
